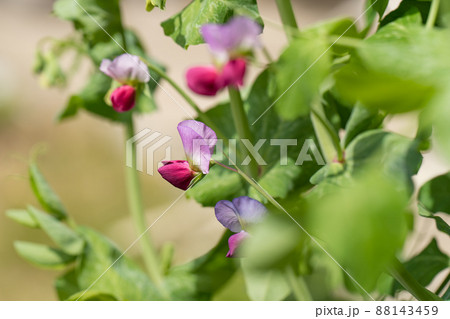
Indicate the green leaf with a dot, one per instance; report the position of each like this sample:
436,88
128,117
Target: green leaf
217,185
124,280
445,13
68,240
184,26
201,278
92,99
278,181
426,265
43,256
435,194
299,74
267,285
361,120
44,193
362,232
408,7
392,154
91,18
379,6
150,4
92,296
23,217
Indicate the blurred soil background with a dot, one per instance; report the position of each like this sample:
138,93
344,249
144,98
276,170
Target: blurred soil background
83,159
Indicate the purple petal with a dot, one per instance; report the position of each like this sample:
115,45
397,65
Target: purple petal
250,210
177,173
198,141
226,214
234,242
239,34
126,68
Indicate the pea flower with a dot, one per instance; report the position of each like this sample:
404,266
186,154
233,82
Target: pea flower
229,43
198,141
237,215
129,71
236,38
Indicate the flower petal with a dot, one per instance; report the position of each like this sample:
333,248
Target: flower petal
233,72
199,141
239,34
177,173
234,242
249,210
126,68
204,80
123,98
226,214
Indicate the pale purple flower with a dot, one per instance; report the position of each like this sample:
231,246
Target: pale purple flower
237,36
198,141
126,69
237,215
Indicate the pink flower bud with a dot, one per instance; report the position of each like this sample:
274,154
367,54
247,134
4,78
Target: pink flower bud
204,80
233,73
234,242
123,98
177,173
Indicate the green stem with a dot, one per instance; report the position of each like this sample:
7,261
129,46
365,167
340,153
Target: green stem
328,139
399,272
443,284
287,17
346,41
432,16
243,129
149,253
202,115
298,285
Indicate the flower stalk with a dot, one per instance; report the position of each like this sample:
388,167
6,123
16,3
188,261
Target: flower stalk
287,17
243,129
432,16
149,253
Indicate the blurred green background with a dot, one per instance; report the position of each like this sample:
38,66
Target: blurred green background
83,158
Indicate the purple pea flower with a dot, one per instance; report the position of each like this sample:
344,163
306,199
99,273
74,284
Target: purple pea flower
234,38
126,69
129,71
198,141
236,216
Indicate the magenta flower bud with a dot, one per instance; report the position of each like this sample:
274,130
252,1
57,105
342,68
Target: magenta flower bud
233,73
126,69
204,80
234,38
123,98
177,173
236,216
234,242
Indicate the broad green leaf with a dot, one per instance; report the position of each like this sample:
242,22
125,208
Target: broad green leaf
217,185
299,74
379,6
406,8
184,26
362,222
67,284
150,4
390,153
426,265
44,193
66,239
265,285
92,296
201,278
278,181
435,194
23,217
42,255
361,120
124,280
